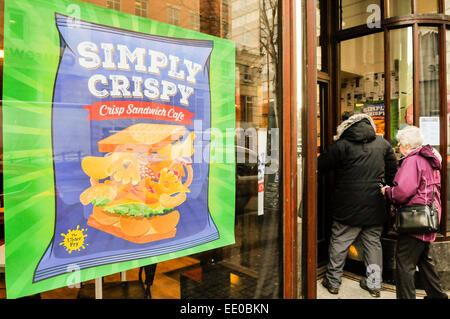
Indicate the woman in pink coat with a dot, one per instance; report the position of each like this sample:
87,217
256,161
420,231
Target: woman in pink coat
413,184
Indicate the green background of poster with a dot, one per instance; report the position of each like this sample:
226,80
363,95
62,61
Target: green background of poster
32,54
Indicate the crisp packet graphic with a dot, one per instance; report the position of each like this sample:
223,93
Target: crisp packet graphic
126,184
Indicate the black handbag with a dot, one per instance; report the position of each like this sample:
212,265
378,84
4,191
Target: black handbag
417,219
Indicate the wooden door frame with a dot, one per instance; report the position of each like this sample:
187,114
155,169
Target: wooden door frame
289,148
309,149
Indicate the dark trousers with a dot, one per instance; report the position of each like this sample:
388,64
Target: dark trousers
412,252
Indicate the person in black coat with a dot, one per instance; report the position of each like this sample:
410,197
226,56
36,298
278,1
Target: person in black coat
361,161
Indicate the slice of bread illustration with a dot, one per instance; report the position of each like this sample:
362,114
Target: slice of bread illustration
142,138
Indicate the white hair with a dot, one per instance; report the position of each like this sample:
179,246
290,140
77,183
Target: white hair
410,135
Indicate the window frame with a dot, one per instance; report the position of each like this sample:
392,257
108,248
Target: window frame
138,10
113,4
171,18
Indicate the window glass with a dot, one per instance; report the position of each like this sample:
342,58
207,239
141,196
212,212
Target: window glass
429,85
301,94
318,35
362,77
399,8
358,12
401,57
173,15
113,4
252,267
140,8
427,6
448,124
195,21
319,120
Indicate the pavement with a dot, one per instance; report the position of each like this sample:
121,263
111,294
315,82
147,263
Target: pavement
350,289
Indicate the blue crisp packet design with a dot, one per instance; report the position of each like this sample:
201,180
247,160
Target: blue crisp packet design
77,85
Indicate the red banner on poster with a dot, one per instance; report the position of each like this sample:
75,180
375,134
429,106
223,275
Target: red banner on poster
111,110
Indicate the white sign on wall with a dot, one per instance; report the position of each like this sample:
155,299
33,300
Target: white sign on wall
430,129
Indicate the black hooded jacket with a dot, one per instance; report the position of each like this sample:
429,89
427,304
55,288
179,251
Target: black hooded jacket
361,160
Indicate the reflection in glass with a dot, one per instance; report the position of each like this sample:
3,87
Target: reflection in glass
448,122
113,4
252,267
399,8
318,32
362,74
318,119
429,71
301,94
426,6
358,12
140,8
401,57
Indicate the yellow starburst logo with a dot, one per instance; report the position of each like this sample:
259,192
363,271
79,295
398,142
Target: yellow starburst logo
74,239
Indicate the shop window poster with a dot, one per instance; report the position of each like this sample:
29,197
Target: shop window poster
376,111
107,143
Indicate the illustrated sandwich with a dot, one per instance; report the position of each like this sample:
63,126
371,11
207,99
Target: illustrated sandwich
379,124
137,186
